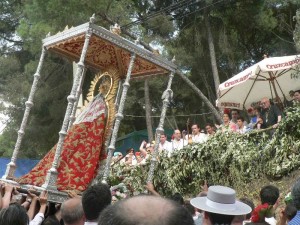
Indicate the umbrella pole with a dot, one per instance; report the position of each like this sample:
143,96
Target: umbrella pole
278,100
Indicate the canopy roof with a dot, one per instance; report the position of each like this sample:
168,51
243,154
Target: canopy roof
107,49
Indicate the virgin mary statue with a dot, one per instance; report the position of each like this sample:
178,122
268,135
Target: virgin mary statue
83,145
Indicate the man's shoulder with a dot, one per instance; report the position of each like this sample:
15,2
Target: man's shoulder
295,220
90,223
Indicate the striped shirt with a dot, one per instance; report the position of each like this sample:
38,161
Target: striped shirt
296,219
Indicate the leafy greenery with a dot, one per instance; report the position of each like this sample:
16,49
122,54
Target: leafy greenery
226,158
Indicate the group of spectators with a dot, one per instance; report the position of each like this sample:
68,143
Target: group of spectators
266,114
213,205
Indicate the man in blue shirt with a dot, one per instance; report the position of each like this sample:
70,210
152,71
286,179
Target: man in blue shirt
296,201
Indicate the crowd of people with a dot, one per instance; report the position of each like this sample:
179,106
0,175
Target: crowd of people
214,205
264,115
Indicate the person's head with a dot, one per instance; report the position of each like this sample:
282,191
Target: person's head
265,103
291,93
296,194
94,200
269,194
14,214
290,211
72,212
177,197
226,117
148,210
250,203
177,134
234,114
195,129
130,151
240,121
296,96
209,128
163,138
220,205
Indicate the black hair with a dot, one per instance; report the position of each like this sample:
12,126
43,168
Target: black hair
240,118
296,194
95,199
269,194
177,197
250,203
290,211
120,214
219,218
14,214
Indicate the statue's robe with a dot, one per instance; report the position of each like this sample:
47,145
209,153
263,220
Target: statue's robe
81,153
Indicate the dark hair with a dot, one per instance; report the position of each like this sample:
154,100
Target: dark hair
209,124
228,114
220,218
129,150
121,213
250,203
177,197
296,194
269,194
72,214
95,199
163,134
290,211
240,118
297,91
189,208
14,214
195,124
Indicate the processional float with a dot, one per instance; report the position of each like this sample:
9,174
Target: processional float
78,158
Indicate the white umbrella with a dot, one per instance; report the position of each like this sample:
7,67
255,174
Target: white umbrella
272,78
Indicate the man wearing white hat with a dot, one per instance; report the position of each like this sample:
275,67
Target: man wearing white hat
220,206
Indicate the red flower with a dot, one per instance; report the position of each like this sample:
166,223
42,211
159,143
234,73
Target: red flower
261,212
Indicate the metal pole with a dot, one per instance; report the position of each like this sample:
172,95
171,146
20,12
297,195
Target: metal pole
77,96
119,117
160,129
51,178
11,167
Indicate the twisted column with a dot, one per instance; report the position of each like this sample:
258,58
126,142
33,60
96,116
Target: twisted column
168,93
11,167
77,96
119,117
51,178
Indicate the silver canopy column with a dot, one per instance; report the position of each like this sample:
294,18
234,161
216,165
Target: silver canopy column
168,93
11,167
119,117
51,178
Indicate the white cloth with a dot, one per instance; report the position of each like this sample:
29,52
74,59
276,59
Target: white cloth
243,130
271,221
38,219
199,138
165,146
177,145
90,223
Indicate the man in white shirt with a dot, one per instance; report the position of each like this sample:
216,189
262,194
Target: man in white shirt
164,145
178,143
197,136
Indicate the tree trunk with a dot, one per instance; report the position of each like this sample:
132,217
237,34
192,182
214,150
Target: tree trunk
212,53
201,95
148,111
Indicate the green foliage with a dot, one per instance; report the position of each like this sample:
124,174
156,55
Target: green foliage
226,158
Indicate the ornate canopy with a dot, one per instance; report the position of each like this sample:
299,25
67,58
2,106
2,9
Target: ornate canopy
107,49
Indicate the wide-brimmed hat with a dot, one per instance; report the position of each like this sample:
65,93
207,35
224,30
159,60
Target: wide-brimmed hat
221,200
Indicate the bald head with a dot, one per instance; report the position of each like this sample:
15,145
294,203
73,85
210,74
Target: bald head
147,210
265,103
72,212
